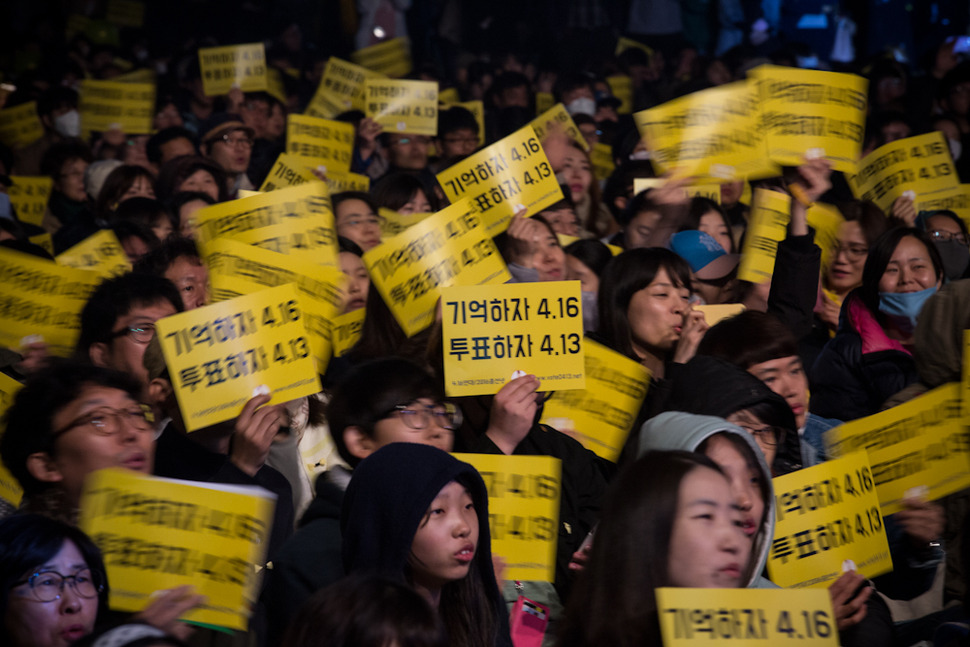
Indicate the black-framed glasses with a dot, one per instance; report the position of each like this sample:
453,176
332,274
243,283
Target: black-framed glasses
106,421
946,236
768,435
852,252
418,416
141,333
241,140
47,586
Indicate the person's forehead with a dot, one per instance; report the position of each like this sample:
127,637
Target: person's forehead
149,311
92,396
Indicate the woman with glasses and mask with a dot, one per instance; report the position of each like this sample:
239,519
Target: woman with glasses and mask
378,402
951,239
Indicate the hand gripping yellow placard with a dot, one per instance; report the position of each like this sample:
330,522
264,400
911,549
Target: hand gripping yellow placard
714,133
29,196
288,170
825,516
601,415
746,617
218,354
523,511
100,252
105,105
297,219
236,269
320,142
40,297
341,88
491,331
513,171
921,164
20,125
157,534
242,66
391,58
558,115
768,225
10,489
451,247
345,331
814,112
622,88
393,223
919,448
403,106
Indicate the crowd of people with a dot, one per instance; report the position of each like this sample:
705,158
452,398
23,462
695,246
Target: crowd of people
379,535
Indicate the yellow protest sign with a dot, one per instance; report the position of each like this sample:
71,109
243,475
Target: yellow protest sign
242,66
512,171
320,142
719,312
491,331
825,220
218,354
44,241
767,225
288,170
40,297
746,617
100,32
822,114
143,75
449,96
403,106
714,133
624,43
920,447
340,182
477,108
622,88
601,157
29,196
452,247
236,269
101,252
341,88
391,58
105,105
10,489
824,516
921,164
393,223
558,115
20,125
601,415
955,199
709,191
523,511
157,534
345,331
544,101
126,13
295,220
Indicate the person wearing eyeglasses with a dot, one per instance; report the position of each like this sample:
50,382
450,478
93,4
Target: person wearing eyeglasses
951,239
119,319
377,403
229,142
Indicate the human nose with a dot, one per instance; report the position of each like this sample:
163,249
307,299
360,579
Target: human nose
743,498
462,527
70,601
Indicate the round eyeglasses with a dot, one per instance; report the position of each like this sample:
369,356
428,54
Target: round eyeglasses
419,416
48,586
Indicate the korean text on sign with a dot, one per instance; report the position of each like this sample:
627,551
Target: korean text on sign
217,355
320,142
341,88
10,489
825,515
523,511
288,170
100,252
449,248
403,106
242,66
920,446
770,214
508,173
390,58
20,125
601,415
111,104
29,196
158,534
489,332
746,617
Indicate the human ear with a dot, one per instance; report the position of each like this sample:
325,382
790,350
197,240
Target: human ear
99,353
41,466
358,443
159,391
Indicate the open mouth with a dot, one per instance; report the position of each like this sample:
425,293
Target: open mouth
466,554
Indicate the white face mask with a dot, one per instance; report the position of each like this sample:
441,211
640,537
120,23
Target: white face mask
68,124
582,105
956,148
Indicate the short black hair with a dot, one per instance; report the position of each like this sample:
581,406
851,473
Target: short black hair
591,253
57,97
127,229
61,153
113,299
749,338
30,418
370,390
454,119
153,149
157,261
144,211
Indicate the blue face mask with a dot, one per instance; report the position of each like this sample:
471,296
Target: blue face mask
904,307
